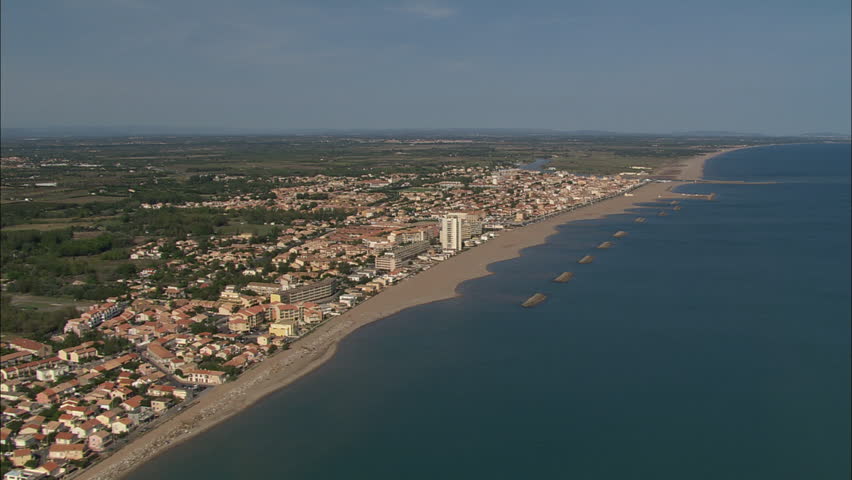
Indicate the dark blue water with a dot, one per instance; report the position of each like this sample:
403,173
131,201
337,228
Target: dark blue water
713,343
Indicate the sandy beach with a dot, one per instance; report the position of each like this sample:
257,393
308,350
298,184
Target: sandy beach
438,283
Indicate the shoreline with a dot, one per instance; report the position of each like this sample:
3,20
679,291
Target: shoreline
438,283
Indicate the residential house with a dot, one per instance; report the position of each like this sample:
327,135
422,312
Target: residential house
205,377
74,451
21,456
98,441
31,346
122,425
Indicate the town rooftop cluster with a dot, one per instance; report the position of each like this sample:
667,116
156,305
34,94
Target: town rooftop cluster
131,362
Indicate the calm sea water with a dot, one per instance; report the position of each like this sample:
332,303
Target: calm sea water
713,343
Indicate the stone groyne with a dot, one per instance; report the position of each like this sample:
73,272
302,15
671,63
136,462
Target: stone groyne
534,300
566,276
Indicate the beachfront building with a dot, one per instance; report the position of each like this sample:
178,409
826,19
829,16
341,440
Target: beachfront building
311,292
458,227
205,377
282,329
391,260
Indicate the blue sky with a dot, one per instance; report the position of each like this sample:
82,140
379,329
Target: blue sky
779,67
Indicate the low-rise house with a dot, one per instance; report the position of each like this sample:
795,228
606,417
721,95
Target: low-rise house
166,390
238,325
28,368
74,451
120,392
50,427
67,420
132,404
31,346
122,425
51,469
21,456
205,377
9,386
142,415
15,358
51,374
238,361
65,438
160,405
78,326
107,418
115,363
22,474
86,348
282,329
53,395
98,441
25,441
30,429
159,353
80,413
86,428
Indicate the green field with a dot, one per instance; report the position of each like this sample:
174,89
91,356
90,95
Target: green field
34,302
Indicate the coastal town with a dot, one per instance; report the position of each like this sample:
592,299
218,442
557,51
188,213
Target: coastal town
128,363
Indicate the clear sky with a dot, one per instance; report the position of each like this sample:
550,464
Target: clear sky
776,67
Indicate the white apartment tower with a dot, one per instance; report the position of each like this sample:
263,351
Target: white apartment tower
458,227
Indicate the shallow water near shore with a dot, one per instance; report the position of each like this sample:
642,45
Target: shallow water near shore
710,343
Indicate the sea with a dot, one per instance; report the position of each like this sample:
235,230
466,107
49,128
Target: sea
712,343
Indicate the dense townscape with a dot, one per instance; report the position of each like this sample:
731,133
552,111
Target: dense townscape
131,361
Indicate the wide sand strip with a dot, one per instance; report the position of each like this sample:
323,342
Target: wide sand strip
438,283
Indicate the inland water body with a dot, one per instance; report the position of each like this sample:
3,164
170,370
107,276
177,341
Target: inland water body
712,343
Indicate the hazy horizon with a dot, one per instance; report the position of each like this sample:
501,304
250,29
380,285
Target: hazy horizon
650,68
83,131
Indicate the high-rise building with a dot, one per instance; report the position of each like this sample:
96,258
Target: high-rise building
458,227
